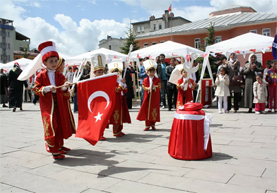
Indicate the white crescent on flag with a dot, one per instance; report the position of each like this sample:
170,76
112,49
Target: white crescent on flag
98,94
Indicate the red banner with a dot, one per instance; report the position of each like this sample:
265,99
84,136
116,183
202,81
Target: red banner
96,100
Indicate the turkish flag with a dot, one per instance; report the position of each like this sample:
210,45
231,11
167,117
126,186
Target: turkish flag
96,100
169,9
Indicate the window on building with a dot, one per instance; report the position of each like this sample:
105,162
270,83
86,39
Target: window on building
197,42
142,28
7,33
21,49
154,27
253,31
218,39
110,47
138,29
9,46
153,43
0,45
145,45
9,57
160,26
266,32
162,41
0,32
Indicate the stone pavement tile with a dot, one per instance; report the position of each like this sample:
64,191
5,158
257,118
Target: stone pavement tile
4,187
163,180
13,144
134,187
270,173
245,144
203,186
219,176
254,182
260,153
161,151
11,165
251,170
220,141
90,190
170,170
5,149
264,140
270,145
134,156
269,191
169,161
253,163
85,180
124,172
46,170
14,189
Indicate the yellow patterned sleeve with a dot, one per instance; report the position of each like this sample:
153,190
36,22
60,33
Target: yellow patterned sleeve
38,88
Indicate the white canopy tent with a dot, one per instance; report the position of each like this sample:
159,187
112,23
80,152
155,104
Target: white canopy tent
168,48
109,54
245,43
23,62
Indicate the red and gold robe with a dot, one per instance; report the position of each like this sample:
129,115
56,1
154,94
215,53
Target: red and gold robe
150,109
66,125
120,113
184,96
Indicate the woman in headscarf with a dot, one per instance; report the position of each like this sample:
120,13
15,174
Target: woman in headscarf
251,68
235,81
16,88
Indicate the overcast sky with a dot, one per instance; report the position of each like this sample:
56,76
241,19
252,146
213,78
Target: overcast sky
77,25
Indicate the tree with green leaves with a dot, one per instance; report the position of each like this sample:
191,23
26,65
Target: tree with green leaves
131,39
210,40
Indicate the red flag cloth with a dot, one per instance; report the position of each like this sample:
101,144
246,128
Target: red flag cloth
96,100
169,9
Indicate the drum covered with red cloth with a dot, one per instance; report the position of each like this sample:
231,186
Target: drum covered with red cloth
186,140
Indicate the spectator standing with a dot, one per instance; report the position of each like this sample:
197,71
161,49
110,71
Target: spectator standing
130,91
260,94
69,77
271,78
161,68
3,88
251,67
142,76
16,88
222,89
171,88
235,81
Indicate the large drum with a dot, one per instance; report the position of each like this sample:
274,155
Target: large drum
190,138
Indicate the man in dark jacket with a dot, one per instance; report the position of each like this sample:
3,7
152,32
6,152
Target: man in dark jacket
161,68
171,88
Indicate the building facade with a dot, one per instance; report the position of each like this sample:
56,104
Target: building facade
111,43
7,36
12,42
228,23
155,24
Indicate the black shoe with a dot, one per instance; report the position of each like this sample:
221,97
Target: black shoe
250,110
14,109
4,105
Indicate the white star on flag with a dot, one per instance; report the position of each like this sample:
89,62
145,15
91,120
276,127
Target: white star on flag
98,117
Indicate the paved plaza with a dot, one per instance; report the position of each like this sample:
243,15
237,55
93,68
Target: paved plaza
244,157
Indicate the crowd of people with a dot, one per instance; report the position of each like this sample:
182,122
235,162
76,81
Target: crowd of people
55,90
236,86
